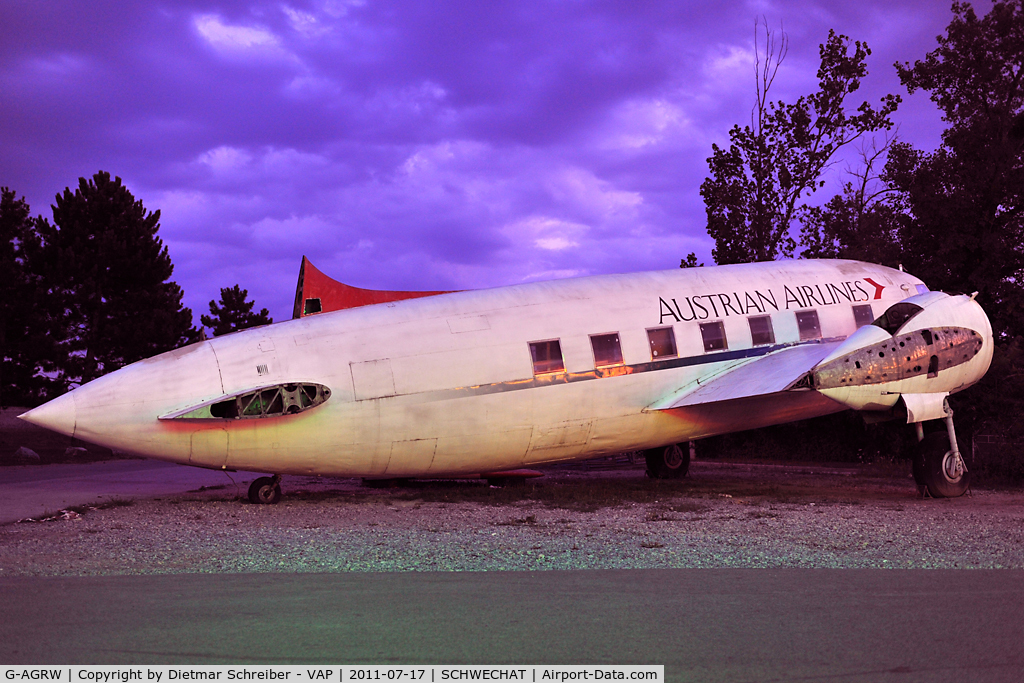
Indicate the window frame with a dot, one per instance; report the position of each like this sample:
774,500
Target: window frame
671,338
617,346
863,307
771,330
724,339
533,356
810,312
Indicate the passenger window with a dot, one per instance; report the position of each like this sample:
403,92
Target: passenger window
547,357
713,335
606,349
862,315
807,321
761,331
663,343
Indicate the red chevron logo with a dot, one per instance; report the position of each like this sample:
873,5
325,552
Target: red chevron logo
878,287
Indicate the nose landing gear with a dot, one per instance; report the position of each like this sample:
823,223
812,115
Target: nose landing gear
265,490
939,468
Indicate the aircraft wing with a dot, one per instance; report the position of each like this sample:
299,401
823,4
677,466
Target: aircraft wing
760,376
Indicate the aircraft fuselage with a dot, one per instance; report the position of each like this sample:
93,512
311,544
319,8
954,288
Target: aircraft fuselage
494,379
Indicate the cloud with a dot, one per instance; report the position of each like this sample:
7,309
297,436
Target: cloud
305,23
546,233
235,38
225,159
401,145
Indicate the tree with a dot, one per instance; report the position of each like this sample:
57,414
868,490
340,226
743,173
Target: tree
234,312
690,261
755,186
953,216
962,203
860,223
112,275
24,316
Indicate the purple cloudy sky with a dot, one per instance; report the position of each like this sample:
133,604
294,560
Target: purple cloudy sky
414,145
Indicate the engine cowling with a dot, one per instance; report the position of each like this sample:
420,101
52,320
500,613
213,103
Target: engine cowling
922,349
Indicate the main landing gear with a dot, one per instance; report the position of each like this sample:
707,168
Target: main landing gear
939,468
265,490
668,462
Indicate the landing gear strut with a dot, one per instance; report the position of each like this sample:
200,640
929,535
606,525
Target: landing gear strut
265,490
668,462
939,467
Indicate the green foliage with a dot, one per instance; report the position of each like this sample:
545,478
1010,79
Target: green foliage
111,275
24,306
953,216
753,193
690,261
858,223
963,202
234,312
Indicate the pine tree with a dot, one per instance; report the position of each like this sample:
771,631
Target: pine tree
25,342
113,281
234,312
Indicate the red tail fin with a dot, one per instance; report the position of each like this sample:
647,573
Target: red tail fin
317,293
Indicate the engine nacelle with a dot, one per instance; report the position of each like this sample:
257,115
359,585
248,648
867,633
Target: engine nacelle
922,348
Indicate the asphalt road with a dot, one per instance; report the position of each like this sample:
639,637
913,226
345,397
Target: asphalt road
703,625
30,491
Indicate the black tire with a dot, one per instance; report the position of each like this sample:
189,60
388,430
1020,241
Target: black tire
917,463
264,491
935,467
668,462
503,482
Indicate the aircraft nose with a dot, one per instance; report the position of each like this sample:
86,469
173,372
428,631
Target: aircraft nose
59,415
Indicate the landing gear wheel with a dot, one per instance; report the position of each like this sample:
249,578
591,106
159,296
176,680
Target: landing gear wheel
265,491
939,468
669,462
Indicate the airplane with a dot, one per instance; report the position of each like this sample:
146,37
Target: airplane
483,383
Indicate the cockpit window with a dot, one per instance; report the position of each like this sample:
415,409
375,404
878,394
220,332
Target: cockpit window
283,399
896,315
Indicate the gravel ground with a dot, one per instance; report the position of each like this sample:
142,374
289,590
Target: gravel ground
723,515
